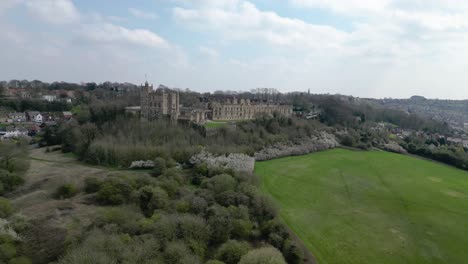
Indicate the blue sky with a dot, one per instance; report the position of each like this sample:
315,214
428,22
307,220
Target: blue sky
365,48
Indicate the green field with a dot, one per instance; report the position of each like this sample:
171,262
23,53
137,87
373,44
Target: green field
372,207
215,124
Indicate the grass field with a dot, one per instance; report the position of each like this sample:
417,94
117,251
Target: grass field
215,124
372,207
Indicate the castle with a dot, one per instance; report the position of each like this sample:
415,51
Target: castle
164,102
244,109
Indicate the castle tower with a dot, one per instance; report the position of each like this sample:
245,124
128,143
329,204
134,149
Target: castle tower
145,100
163,102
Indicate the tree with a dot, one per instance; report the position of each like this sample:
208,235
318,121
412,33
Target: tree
152,198
10,154
114,191
232,251
267,255
220,183
220,222
159,167
292,252
6,209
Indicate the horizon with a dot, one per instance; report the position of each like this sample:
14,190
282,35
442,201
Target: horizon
241,91
378,49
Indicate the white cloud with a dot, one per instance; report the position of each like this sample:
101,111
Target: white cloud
54,11
345,6
7,4
142,14
113,34
209,52
246,22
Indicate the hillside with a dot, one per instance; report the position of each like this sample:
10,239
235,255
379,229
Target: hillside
372,207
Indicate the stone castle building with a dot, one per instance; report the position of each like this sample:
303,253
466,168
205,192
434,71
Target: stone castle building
244,109
164,102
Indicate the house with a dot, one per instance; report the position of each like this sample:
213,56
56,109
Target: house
67,115
49,97
17,117
35,116
14,133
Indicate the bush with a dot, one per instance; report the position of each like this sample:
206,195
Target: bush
100,247
241,228
220,183
7,251
43,242
214,262
122,219
9,181
190,227
20,260
92,184
114,191
65,191
178,252
348,140
263,208
268,255
232,251
152,198
220,222
159,167
292,253
6,209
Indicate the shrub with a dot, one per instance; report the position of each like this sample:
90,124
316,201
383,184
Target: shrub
220,223
6,209
100,247
43,242
178,252
292,253
190,227
20,260
152,198
92,184
164,229
348,140
232,251
10,181
220,183
197,204
122,219
7,251
267,255
263,208
215,261
159,167
114,191
241,228
65,191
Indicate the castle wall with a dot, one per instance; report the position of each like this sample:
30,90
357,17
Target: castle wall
164,102
246,111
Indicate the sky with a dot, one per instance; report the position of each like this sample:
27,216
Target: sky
364,48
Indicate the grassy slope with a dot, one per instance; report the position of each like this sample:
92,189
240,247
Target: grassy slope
372,207
47,172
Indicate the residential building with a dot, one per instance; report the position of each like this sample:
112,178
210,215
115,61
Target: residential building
34,116
17,117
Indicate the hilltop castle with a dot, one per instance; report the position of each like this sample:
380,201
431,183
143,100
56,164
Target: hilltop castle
164,102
